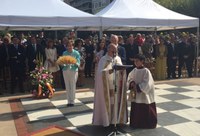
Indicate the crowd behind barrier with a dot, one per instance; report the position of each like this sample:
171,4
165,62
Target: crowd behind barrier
168,56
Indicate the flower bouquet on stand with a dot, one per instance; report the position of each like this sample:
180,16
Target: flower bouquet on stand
41,80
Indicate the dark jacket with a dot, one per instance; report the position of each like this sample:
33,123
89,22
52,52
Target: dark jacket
31,55
17,56
3,55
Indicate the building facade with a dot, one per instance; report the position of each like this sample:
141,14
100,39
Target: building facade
97,5
90,6
84,5
66,1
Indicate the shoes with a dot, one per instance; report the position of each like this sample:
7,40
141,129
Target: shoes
70,105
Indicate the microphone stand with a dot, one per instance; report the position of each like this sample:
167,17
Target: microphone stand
115,132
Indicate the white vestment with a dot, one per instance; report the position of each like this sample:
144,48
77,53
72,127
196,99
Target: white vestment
104,93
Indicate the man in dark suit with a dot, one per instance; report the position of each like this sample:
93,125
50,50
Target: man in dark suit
33,49
4,59
42,39
89,51
132,49
17,64
181,52
187,51
62,47
172,56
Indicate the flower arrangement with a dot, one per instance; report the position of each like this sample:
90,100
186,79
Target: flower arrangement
66,60
41,80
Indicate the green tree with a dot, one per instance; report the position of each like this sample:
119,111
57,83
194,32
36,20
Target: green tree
187,7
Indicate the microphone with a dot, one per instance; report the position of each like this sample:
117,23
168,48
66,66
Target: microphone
114,54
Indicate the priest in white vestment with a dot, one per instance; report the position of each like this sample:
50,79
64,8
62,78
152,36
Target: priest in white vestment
103,113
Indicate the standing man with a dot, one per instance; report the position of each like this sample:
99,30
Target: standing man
17,64
120,50
189,52
62,47
181,52
33,49
132,49
42,39
4,58
89,51
172,56
105,83
70,73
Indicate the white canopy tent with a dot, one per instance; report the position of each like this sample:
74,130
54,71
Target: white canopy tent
143,15
42,14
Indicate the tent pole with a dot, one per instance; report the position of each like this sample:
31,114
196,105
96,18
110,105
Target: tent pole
101,32
197,55
155,31
56,34
7,29
101,29
75,31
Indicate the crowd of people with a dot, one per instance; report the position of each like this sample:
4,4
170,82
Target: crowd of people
163,52
166,54
110,93
111,84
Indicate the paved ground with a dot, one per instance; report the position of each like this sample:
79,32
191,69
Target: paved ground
178,106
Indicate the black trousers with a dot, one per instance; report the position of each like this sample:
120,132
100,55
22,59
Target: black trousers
88,67
17,77
189,66
3,72
171,68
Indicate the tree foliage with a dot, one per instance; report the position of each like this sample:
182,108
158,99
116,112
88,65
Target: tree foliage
187,7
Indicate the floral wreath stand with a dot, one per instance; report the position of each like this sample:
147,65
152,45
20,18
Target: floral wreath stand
41,80
43,91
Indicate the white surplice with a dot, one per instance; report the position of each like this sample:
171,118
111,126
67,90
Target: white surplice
142,78
143,107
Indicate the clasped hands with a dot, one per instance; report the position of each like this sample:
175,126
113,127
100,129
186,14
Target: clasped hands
132,85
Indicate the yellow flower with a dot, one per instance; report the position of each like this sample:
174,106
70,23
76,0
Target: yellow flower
66,60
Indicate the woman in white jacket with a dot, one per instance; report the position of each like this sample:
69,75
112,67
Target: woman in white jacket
51,58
